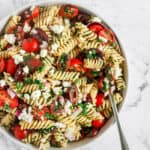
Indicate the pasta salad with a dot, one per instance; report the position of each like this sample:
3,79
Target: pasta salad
57,67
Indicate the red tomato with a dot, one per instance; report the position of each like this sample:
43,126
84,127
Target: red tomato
30,45
38,113
13,103
68,11
10,66
34,63
75,62
99,99
107,34
2,65
19,133
97,123
100,82
36,12
6,99
95,27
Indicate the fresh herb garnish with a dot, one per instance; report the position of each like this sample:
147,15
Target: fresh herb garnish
63,58
40,69
60,93
50,116
6,107
84,108
19,85
91,54
95,73
58,106
28,80
27,58
52,94
38,82
46,131
76,81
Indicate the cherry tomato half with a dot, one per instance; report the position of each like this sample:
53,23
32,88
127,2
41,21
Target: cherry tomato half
97,123
99,99
11,66
95,27
36,12
2,65
68,11
19,133
30,45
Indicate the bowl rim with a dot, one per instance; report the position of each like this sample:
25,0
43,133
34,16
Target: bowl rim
109,123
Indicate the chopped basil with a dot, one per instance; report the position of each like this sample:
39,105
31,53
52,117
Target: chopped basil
58,106
76,81
19,85
52,93
84,108
55,144
38,82
40,69
63,58
91,54
46,131
95,73
28,80
6,107
49,116
60,93
27,58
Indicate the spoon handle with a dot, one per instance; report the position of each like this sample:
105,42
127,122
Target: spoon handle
123,141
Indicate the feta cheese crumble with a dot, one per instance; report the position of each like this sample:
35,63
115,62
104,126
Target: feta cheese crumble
54,47
57,90
27,96
60,125
66,84
26,70
22,52
70,133
57,28
10,38
26,116
2,83
36,95
44,45
67,107
95,19
18,59
43,53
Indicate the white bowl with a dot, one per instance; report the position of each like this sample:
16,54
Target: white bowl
85,141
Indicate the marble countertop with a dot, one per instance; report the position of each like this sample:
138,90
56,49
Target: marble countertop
131,22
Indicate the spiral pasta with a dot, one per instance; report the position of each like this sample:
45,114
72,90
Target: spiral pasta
66,47
33,138
29,88
75,52
120,83
84,32
3,43
63,75
46,16
93,63
9,53
12,22
35,124
83,121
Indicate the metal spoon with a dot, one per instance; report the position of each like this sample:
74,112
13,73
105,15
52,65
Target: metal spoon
123,142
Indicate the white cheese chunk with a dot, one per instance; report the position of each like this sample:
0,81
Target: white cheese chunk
27,96
70,133
66,84
26,28
57,28
2,83
22,52
36,95
18,59
60,125
67,22
44,45
54,47
26,70
57,90
43,53
10,38
67,107
26,116
46,94
10,79
95,19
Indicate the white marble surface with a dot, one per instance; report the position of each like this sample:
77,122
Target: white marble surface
130,19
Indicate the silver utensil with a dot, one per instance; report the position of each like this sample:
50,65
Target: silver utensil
123,142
